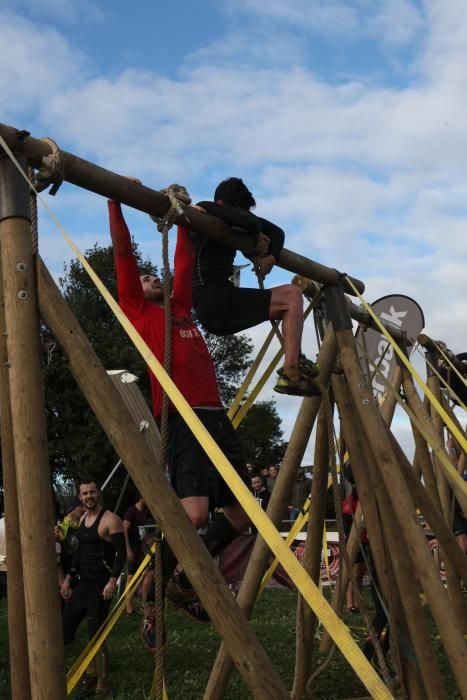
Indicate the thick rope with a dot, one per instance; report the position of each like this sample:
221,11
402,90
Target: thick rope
179,199
34,222
158,684
52,169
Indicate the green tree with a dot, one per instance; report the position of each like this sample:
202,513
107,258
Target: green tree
261,435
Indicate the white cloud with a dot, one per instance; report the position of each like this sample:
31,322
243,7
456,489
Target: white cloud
394,22
364,178
37,63
57,11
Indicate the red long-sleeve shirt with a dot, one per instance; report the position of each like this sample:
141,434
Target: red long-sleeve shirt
193,370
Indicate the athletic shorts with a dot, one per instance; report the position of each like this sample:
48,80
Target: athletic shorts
191,471
224,309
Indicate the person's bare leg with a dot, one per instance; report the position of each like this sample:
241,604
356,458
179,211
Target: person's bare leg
147,585
287,305
197,509
237,517
129,605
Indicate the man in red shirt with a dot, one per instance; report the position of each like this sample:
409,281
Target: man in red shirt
194,478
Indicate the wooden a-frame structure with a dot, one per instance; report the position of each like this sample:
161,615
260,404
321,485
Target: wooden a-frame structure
388,485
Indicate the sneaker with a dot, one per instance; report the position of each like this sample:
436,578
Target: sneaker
308,367
302,386
148,630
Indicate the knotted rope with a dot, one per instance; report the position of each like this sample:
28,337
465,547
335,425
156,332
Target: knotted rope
52,169
34,223
179,199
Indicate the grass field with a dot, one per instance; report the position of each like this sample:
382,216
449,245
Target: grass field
191,650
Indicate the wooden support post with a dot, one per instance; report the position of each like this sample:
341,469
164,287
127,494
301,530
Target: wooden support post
360,460
418,408
119,424
338,595
343,581
108,184
422,677
377,435
311,562
246,598
17,636
44,630
443,484
432,512
404,510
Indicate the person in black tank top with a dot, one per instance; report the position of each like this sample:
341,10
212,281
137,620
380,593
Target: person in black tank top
98,562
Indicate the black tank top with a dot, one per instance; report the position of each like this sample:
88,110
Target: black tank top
96,555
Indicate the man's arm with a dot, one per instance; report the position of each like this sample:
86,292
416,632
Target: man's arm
184,260
126,530
113,530
66,589
129,289
246,222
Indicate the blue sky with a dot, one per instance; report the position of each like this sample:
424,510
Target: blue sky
346,118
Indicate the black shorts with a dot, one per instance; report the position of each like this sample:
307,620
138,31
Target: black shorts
224,309
191,471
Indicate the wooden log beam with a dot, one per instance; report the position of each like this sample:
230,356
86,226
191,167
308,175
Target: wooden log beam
118,422
42,606
311,562
358,313
108,184
17,636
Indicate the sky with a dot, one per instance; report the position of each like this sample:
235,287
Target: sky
346,118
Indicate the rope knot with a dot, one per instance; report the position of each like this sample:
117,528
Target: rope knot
52,169
179,199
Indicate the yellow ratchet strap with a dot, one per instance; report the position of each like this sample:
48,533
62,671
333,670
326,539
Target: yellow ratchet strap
241,413
293,532
249,376
426,390
310,592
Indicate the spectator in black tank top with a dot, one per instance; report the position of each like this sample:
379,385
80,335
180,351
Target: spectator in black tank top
98,562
